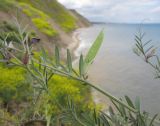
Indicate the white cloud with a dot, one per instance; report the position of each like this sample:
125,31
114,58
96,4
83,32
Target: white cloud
133,11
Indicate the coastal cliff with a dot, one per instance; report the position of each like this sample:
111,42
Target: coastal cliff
81,20
48,19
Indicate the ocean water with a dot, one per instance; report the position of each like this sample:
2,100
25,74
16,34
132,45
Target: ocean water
117,69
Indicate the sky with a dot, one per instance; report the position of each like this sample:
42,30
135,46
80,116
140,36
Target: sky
117,11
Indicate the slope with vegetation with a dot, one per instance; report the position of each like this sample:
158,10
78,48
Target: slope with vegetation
38,89
52,22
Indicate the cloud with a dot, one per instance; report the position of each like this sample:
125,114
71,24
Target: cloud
156,10
129,11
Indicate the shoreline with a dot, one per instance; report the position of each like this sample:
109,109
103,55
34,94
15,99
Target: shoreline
75,44
98,98
76,41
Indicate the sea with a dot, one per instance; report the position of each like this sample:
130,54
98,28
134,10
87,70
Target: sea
117,69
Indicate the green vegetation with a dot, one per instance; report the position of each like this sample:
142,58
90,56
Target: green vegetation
56,11
7,29
61,94
37,90
13,120
61,87
65,20
94,49
147,52
11,31
40,19
42,14
18,85
9,81
44,27
5,5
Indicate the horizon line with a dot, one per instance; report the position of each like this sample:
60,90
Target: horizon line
103,22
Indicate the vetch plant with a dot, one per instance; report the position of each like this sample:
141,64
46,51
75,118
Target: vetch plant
147,51
124,113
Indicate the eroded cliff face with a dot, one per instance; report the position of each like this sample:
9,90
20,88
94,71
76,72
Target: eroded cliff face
50,20
81,20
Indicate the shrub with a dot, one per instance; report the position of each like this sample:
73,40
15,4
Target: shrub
13,85
62,87
44,27
39,19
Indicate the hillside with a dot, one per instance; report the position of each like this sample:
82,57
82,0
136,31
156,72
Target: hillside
82,21
50,20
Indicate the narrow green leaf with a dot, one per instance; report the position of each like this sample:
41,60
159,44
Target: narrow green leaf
129,101
44,54
105,121
122,108
99,121
50,76
141,120
138,42
44,70
46,80
158,61
94,49
147,43
137,103
69,61
117,107
111,112
81,66
139,48
95,116
153,119
57,56
139,39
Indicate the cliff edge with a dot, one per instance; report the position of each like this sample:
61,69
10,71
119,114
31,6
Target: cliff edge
49,19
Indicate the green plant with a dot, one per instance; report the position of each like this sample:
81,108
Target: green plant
9,30
9,83
39,19
5,5
6,119
147,52
44,27
12,81
44,69
56,11
62,17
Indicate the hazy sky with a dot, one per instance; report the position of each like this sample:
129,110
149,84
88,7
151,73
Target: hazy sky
128,11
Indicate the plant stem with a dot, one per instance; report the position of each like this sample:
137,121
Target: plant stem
62,73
